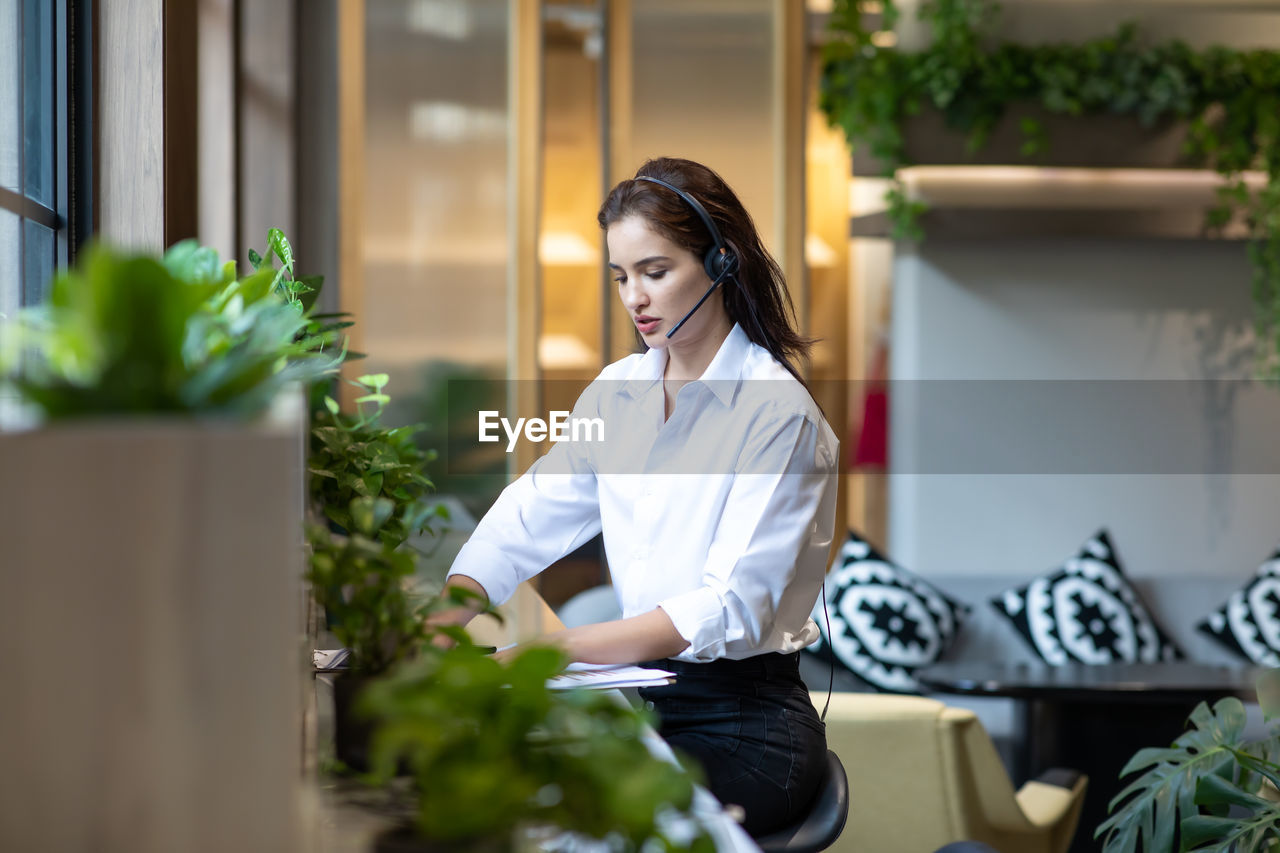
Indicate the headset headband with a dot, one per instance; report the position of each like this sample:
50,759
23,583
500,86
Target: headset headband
720,262
697,208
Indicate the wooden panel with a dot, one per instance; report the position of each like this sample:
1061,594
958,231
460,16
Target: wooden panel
620,57
130,120
524,159
789,105
351,180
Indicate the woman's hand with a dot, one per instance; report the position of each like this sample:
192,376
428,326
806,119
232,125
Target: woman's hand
649,636
460,615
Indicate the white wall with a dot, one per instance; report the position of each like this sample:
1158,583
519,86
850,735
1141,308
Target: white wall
1188,499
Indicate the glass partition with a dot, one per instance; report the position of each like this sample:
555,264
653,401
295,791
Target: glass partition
570,243
702,88
699,85
435,218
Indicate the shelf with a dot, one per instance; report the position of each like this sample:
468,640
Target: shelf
966,223
968,202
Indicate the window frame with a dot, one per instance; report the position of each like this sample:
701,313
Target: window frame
71,98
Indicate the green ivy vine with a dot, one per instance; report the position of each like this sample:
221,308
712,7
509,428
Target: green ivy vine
1229,99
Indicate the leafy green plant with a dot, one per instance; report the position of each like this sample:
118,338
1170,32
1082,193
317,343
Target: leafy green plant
364,587
367,590
1186,791
1229,98
354,456
493,751
126,335
323,331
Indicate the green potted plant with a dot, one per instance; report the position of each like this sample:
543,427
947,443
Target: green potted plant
496,757
150,519
355,456
369,495
1212,791
366,586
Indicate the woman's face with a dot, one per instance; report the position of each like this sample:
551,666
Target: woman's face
658,282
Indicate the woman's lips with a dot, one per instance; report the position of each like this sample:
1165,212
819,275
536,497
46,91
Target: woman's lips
647,324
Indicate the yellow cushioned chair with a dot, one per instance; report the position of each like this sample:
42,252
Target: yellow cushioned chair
922,775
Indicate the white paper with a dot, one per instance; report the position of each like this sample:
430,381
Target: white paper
575,675
330,659
608,676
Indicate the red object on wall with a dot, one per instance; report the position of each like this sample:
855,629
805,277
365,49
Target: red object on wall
871,447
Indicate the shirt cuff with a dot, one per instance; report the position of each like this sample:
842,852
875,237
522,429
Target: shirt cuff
485,563
698,616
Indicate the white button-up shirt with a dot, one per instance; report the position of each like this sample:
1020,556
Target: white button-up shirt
722,515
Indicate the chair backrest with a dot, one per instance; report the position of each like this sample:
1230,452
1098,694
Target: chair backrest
899,785
822,823
923,775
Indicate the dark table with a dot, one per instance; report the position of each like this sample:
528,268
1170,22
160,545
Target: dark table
1092,718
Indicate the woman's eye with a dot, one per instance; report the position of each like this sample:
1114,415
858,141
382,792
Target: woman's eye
620,280
657,274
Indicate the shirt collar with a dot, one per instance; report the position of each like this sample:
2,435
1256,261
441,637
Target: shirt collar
648,370
724,371
721,376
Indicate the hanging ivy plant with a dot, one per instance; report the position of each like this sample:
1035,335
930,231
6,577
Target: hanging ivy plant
1229,100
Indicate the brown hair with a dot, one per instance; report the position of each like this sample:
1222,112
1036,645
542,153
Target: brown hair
758,301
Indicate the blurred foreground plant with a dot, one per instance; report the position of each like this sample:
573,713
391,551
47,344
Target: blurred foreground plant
493,752
1212,791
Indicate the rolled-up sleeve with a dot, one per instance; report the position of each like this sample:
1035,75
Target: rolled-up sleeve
549,511
780,506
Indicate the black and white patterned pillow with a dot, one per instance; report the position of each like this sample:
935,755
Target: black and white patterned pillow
885,621
1086,611
1249,623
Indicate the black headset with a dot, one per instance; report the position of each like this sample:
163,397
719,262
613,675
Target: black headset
721,261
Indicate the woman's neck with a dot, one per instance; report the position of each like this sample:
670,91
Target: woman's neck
689,358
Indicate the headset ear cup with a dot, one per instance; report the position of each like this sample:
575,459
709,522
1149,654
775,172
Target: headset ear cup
721,264
714,263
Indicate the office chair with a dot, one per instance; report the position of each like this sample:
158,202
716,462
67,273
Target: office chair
924,775
818,829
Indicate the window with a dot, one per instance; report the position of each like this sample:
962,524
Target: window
44,106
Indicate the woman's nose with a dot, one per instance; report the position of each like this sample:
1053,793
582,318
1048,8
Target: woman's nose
633,296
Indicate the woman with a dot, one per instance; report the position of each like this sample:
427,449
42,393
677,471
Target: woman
715,492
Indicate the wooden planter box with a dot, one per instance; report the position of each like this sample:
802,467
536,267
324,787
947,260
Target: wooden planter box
150,621
1100,142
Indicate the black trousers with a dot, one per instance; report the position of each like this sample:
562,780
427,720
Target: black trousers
750,725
